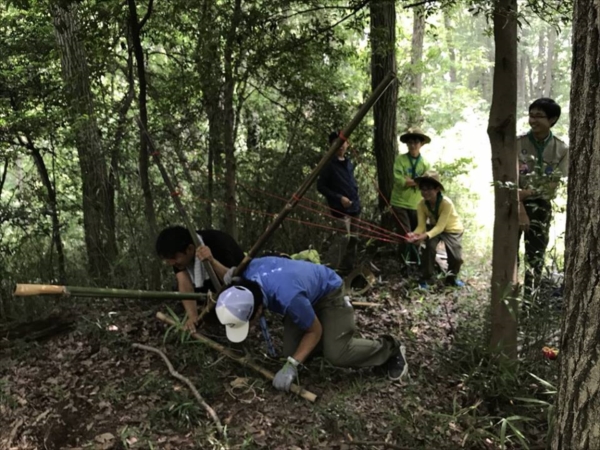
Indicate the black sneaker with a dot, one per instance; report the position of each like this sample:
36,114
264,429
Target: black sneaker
397,367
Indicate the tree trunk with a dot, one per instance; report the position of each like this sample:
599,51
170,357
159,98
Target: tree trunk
209,56
502,134
577,423
450,44
52,204
230,128
98,226
143,156
416,60
550,61
521,84
383,61
532,88
540,67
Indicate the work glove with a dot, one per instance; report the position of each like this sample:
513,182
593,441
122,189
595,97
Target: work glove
287,374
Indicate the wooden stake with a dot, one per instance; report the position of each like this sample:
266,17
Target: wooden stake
243,360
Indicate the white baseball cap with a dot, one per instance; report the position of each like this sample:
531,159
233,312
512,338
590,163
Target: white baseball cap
234,310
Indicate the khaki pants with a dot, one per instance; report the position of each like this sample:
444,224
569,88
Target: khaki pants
339,345
453,243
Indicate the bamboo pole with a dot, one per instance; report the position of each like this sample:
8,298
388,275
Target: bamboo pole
243,360
28,290
178,204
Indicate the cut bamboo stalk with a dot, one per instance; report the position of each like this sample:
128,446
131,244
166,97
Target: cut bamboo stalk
243,360
28,290
366,304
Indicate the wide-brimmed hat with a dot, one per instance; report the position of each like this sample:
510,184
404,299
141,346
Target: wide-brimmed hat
431,176
415,132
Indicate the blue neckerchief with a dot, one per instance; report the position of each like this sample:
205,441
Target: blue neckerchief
540,147
436,210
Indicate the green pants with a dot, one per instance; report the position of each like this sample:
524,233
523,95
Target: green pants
339,345
536,240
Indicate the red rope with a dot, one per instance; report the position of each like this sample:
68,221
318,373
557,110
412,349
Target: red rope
376,185
312,224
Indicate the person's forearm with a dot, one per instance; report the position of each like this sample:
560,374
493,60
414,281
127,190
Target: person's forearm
307,344
220,269
191,309
184,285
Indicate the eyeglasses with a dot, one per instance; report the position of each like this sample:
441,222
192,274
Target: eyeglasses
537,116
425,189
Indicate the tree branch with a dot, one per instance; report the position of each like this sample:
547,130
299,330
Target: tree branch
147,16
211,412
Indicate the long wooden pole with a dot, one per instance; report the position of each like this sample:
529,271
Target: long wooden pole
335,146
241,359
178,204
28,290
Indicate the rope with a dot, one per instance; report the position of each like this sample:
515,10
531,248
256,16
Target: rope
376,185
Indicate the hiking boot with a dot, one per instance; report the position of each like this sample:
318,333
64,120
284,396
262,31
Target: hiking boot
459,283
423,286
397,368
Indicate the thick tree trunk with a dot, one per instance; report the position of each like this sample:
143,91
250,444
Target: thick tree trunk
416,60
502,134
383,61
578,403
230,128
549,62
97,222
143,156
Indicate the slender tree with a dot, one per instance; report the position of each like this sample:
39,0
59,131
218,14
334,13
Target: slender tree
383,61
143,156
502,134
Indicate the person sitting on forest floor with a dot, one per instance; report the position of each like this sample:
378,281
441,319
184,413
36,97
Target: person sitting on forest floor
543,161
316,314
444,225
339,187
405,195
176,247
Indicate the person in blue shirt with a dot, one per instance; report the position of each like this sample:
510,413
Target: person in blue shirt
315,312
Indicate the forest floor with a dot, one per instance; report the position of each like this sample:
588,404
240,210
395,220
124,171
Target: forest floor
90,389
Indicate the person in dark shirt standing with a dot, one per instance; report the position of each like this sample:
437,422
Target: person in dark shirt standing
339,187
176,247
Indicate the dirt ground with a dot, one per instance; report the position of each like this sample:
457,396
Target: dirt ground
89,389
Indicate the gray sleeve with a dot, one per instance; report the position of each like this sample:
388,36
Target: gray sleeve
563,163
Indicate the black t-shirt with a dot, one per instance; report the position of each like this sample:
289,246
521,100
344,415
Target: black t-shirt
225,250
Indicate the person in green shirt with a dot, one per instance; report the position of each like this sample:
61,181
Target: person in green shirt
405,195
543,162
444,225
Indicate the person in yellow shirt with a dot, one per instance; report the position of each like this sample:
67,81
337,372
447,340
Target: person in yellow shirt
437,220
